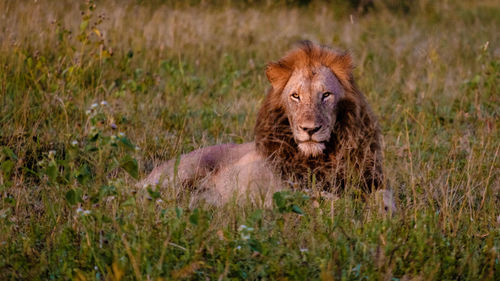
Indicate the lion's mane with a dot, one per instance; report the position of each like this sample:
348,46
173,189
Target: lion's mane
354,144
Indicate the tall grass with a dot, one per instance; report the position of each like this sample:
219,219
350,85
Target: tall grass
93,95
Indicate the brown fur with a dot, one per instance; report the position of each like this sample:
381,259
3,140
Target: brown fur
354,144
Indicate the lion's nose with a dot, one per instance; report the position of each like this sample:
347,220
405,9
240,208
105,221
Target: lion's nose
310,129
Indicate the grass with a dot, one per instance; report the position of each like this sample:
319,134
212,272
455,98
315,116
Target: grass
93,97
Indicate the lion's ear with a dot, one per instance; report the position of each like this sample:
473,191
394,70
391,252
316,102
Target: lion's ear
341,66
277,74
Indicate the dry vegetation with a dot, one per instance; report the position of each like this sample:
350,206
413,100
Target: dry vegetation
91,98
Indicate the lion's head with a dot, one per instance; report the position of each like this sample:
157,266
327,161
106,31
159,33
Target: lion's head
310,99
314,117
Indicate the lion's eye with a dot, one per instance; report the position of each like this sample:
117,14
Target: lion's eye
326,94
295,96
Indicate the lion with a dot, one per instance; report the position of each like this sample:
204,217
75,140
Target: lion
314,127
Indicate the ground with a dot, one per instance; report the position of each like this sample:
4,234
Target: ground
93,96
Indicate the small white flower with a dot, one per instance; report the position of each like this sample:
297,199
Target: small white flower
303,250
245,236
104,102
82,211
87,112
121,134
137,148
238,247
245,228
95,268
74,143
94,105
159,201
52,153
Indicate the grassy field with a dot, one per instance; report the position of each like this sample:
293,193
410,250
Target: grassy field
93,96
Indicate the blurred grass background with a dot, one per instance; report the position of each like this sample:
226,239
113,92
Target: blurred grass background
94,94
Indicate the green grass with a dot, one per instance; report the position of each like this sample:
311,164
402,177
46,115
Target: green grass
176,77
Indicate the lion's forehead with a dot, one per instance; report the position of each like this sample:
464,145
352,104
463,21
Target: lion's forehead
325,80
312,81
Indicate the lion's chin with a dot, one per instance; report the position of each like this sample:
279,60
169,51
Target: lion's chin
311,149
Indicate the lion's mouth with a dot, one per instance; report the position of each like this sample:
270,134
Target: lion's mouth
311,142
